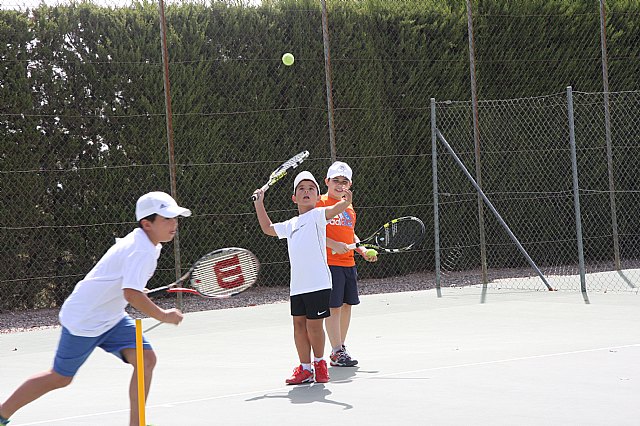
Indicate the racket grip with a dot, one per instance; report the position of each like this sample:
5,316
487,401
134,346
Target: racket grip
264,188
155,290
164,287
349,246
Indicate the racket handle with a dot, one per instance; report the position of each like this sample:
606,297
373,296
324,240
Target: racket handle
264,188
164,287
153,326
155,290
349,246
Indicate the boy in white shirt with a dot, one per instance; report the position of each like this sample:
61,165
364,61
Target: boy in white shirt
310,285
94,314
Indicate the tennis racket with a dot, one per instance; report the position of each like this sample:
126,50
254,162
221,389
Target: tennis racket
220,274
397,235
282,171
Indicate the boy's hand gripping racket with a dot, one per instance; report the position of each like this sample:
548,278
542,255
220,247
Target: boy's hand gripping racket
282,171
397,235
220,274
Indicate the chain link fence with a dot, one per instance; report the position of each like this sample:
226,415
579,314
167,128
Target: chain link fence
527,173
86,128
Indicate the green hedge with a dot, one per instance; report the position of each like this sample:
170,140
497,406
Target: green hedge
83,131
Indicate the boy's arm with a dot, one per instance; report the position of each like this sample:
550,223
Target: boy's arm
340,206
337,246
263,217
141,302
360,250
363,251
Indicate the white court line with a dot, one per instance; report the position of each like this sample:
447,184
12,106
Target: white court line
500,361
351,379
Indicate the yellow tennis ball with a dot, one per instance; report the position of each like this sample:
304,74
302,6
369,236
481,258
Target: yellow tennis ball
371,253
288,59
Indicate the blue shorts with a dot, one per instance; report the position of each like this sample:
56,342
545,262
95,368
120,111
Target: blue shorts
345,286
73,350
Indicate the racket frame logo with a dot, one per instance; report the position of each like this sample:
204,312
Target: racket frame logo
229,272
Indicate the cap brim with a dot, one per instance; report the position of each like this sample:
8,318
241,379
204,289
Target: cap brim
338,174
174,211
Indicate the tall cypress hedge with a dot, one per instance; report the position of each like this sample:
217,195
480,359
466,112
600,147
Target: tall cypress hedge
83,130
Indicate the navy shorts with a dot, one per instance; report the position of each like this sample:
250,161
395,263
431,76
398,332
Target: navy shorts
314,305
345,286
73,350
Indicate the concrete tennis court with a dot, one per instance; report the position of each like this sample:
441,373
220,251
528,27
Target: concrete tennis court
519,358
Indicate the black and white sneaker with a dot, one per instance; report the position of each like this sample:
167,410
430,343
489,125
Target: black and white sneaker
341,358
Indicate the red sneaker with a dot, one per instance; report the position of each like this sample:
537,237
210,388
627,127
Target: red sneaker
300,375
322,374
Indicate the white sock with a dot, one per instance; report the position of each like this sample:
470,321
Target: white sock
306,367
316,359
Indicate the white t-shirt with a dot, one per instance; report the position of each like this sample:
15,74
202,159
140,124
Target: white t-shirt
307,241
97,302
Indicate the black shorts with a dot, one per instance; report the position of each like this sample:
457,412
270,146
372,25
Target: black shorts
345,286
314,305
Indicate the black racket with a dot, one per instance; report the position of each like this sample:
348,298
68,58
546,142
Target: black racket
220,274
397,235
282,171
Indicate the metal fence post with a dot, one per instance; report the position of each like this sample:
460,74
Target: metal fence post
607,128
436,218
170,144
327,74
576,191
476,138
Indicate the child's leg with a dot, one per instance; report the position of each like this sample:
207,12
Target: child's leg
315,330
72,352
334,328
149,364
336,302
301,338
345,320
32,389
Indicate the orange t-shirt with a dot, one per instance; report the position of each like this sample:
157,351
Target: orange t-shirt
340,228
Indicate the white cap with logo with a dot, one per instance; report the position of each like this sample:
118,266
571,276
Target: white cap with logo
159,203
304,176
339,169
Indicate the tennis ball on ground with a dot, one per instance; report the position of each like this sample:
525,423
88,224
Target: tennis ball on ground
288,59
371,253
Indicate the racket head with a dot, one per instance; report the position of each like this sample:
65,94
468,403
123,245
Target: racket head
399,234
287,166
224,272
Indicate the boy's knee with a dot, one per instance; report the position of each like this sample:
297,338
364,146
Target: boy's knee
150,360
59,381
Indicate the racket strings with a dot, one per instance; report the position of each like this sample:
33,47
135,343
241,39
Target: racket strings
225,274
400,234
291,163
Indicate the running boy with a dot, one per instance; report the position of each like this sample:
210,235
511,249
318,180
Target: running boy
340,233
94,314
310,285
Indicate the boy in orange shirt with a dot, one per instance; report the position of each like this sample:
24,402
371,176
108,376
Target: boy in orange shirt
340,233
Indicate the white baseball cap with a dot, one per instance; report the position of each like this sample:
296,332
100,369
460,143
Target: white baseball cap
159,203
304,176
339,169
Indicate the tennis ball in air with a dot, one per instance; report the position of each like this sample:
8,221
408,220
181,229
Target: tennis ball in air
288,59
371,253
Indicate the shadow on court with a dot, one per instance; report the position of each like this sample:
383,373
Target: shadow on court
305,394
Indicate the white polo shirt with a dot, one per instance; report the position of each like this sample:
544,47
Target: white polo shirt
97,302
307,241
